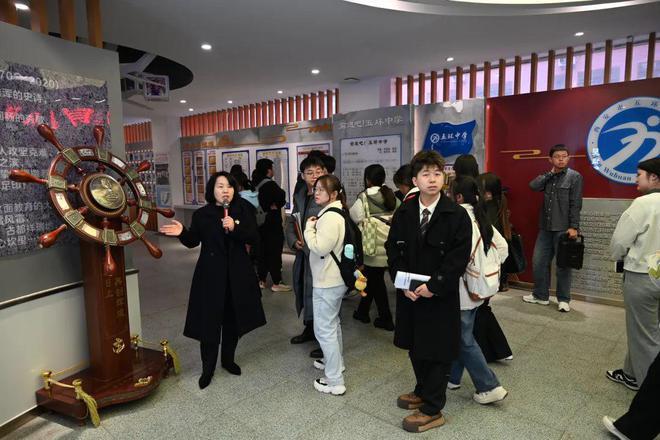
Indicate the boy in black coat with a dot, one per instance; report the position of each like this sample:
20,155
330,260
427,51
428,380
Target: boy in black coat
430,235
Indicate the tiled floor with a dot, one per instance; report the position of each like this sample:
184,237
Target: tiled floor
556,381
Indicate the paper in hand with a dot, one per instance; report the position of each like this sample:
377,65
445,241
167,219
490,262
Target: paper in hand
405,280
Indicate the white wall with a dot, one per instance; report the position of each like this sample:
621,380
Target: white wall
365,95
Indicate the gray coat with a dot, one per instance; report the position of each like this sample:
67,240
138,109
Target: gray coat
302,273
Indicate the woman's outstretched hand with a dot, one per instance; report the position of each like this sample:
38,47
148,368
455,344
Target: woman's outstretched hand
173,229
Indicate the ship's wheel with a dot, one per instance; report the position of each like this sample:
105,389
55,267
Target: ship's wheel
106,186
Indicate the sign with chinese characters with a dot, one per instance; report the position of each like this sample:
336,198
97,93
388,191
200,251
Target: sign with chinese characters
303,150
30,96
359,153
280,158
452,129
231,158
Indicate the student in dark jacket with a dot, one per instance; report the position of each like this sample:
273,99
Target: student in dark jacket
271,198
430,235
225,300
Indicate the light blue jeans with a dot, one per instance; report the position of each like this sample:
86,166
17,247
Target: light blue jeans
471,358
327,329
544,250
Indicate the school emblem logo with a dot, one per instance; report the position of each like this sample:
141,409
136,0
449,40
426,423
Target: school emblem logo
625,134
450,139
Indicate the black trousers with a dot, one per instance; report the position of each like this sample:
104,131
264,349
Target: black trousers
270,252
489,335
376,290
642,421
229,341
432,378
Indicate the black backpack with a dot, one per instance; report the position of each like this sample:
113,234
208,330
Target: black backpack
352,236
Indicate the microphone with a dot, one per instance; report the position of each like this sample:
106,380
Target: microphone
225,205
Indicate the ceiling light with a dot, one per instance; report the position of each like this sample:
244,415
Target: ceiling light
279,92
206,46
22,6
579,34
183,101
315,71
230,102
191,109
450,59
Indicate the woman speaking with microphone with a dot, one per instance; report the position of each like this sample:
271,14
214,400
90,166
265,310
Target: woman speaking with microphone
225,299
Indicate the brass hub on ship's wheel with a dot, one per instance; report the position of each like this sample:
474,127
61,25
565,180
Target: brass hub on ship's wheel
103,195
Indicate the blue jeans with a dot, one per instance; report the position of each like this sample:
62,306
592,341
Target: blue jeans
471,358
327,329
544,250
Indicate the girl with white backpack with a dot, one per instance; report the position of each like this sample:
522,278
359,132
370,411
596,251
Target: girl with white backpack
372,212
480,281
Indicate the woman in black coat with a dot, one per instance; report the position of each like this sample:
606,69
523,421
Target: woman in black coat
225,299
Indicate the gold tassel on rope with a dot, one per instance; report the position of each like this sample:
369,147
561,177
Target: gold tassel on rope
89,401
167,350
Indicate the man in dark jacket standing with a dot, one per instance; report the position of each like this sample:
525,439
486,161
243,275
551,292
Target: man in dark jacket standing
271,199
430,235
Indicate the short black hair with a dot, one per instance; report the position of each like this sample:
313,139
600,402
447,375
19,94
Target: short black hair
262,166
236,168
311,161
403,176
426,158
558,147
209,195
651,166
466,165
330,163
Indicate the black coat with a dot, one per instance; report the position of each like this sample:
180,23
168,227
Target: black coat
430,327
224,268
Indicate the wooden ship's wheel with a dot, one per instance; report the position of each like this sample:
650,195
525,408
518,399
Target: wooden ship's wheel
93,191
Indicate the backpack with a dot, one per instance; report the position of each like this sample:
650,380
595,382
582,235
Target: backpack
261,214
353,237
482,275
374,228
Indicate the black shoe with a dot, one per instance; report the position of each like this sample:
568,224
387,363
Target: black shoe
232,368
316,354
385,324
362,318
620,377
305,336
205,380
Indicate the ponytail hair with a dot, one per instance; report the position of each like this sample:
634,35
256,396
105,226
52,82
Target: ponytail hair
374,175
467,187
331,184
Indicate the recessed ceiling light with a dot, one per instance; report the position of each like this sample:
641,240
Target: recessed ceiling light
315,71
206,46
579,34
279,92
450,59
191,109
22,6
183,101
230,102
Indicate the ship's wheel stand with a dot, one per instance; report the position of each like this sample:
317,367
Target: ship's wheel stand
92,190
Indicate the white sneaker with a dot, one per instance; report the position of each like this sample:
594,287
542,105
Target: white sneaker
280,288
563,306
262,285
494,395
319,364
534,300
609,424
453,386
508,358
322,386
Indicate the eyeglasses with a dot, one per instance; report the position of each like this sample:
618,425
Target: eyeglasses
313,173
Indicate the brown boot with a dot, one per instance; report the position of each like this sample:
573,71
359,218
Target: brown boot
409,401
420,422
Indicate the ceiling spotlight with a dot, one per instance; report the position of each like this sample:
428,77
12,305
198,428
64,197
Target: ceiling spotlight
191,109
279,92
315,71
22,6
450,59
206,46
230,102
183,101
579,34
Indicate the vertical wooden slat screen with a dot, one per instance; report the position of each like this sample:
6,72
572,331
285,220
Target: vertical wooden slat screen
501,91
285,111
39,16
329,98
551,70
459,83
230,119
182,128
473,81
292,116
314,107
67,19
629,54
607,74
651,56
434,87
321,105
8,12
588,52
398,90
421,88
410,85
533,72
235,118
336,100
253,116
298,109
445,85
517,72
486,79
206,119
215,121
257,114
246,116
271,112
305,107
568,83
94,27
264,113
189,127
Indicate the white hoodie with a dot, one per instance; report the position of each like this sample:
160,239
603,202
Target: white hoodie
327,235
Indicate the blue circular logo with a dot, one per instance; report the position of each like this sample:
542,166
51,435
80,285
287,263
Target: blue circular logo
625,134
